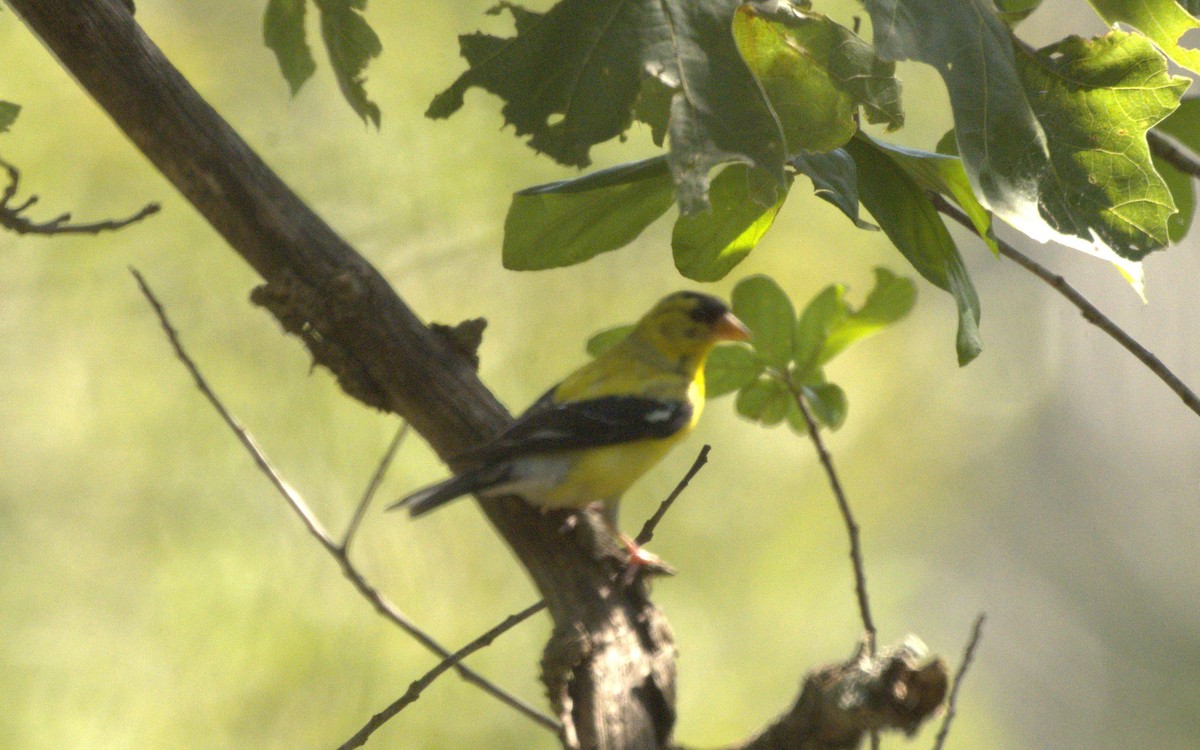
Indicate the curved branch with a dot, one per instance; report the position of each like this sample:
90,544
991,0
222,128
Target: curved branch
610,664
1090,312
12,220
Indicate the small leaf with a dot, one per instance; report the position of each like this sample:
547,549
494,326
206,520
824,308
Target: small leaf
912,224
766,310
283,33
708,244
892,298
835,179
765,400
563,223
351,43
601,342
829,406
822,315
729,368
8,115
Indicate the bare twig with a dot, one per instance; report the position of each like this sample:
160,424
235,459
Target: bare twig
1182,159
860,572
647,533
952,703
339,553
418,686
1090,312
373,486
11,218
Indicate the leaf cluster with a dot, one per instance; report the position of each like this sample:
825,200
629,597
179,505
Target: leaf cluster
785,359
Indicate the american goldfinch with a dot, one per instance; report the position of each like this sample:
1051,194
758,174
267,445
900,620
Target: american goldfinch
589,438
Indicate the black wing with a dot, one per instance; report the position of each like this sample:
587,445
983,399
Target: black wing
547,426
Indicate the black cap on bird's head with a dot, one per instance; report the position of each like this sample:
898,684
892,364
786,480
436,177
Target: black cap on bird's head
686,323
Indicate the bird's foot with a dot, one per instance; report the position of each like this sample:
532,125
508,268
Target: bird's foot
642,562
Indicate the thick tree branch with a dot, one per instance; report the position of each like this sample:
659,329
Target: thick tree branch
610,663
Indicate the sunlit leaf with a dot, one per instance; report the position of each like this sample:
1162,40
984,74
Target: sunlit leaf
816,74
568,222
729,368
905,214
351,43
1184,124
1164,21
765,400
766,310
283,33
1097,99
708,244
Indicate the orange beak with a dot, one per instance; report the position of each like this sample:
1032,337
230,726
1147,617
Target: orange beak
729,328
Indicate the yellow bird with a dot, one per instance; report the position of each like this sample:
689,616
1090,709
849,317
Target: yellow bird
589,438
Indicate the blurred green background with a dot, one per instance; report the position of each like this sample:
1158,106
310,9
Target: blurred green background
155,591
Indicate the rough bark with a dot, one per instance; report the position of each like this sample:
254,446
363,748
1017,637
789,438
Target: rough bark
609,668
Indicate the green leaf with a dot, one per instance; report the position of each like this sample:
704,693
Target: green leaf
1182,193
572,76
892,298
1098,98
835,179
1013,12
1021,119
708,244
1164,21
766,310
601,342
568,222
943,174
283,33
822,315
351,43
828,403
765,400
816,73
8,115
729,368
1184,124
905,214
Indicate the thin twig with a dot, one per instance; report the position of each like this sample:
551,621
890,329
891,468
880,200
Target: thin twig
297,503
11,218
1090,312
418,686
860,573
385,463
1182,159
647,533
952,703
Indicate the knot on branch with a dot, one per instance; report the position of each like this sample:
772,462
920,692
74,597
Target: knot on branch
899,689
322,318
464,338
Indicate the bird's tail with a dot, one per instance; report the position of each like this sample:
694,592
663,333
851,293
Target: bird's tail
473,480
